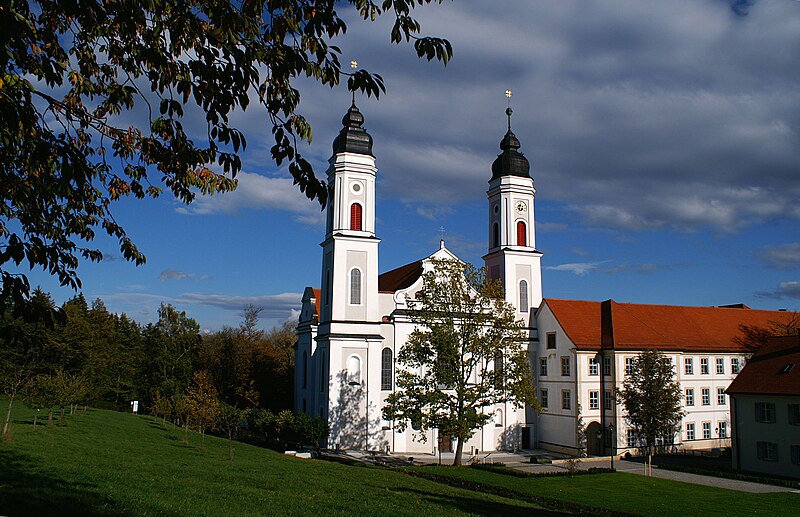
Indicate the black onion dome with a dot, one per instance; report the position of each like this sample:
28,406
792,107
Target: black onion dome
510,162
353,138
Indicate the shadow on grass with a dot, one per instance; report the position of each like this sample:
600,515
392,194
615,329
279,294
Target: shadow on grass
26,491
477,506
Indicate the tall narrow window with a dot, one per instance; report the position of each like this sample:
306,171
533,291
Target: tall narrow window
522,234
386,369
498,369
305,369
322,373
495,235
523,296
327,287
355,217
355,286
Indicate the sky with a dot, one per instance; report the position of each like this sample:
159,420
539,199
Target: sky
664,141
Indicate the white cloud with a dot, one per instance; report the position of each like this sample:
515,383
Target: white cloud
782,256
785,290
578,268
257,192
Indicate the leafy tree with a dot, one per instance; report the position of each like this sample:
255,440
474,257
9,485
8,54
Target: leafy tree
228,420
72,72
651,397
23,342
170,345
161,406
203,404
465,355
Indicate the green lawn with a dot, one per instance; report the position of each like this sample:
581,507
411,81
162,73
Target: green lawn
632,493
105,463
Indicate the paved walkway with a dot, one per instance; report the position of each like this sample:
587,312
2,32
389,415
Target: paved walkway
521,461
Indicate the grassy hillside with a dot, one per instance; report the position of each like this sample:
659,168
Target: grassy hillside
105,463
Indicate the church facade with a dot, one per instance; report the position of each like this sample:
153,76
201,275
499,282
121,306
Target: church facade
352,327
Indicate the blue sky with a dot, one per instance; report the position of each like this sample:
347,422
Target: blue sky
664,141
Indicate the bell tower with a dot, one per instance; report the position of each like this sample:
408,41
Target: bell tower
350,250
512,255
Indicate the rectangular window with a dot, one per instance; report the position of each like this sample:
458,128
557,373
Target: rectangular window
706,430
690,431
551,340
628,365
608,400
765,412
720,365
794,414
704,366
690,397
688,366
543,397
607,366
794,450
767,451
706,397
594,400
734,365
720,396
565,366
593,366
723,429
632,438
543,367
566,399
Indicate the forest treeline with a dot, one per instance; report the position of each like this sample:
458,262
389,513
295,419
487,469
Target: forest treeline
81,354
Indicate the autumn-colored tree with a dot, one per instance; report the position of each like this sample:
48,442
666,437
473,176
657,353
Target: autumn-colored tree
465,355
203,403
73,73
161,406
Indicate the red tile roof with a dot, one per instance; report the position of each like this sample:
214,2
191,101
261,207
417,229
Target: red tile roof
400,278
765,372
629,326
317,298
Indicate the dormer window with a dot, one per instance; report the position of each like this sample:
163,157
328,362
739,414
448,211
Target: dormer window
787,368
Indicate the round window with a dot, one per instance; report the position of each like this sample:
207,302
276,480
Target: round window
355,188
496,208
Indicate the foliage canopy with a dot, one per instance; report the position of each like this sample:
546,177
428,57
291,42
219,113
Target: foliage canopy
101,100
465,355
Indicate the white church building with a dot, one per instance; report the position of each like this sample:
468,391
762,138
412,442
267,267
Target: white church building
351,329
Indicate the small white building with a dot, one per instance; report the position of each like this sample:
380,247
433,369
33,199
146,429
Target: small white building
765,410
585,349
351,329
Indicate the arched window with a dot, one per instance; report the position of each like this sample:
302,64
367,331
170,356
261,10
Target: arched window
498,418
498,369
495,235
305,369
355,217
386,369
523,296
522,234
353,370
355,286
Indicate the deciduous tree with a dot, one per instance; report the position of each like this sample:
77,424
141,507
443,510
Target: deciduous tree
465,355
96,100
651,397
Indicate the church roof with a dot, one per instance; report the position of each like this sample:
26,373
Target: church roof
510,162
353,138
400,278
773,370
628,326
317,299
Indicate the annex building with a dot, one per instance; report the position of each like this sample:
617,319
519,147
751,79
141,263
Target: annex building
351,328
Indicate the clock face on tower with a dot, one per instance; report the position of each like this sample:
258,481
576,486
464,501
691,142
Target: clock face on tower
521,207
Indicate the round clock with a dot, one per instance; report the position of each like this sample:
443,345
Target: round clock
521,206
